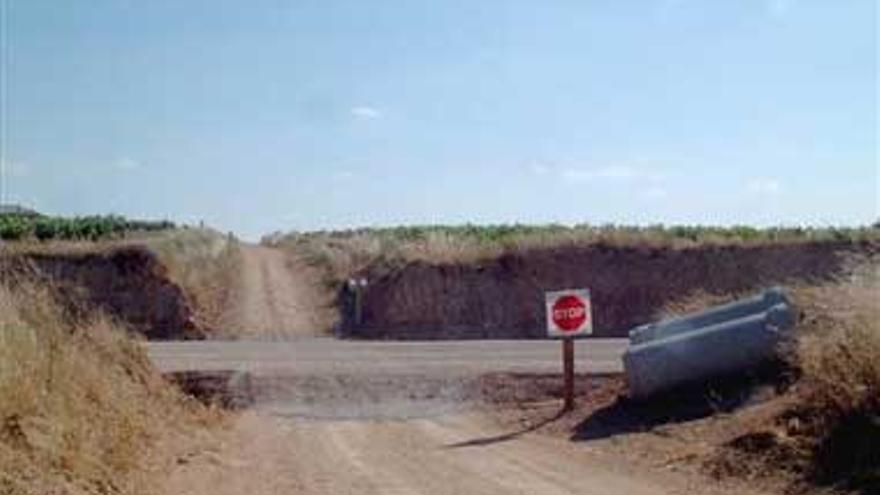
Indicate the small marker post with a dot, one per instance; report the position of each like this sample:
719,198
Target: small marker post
358,286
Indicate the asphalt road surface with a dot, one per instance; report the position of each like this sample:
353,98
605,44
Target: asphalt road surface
327,356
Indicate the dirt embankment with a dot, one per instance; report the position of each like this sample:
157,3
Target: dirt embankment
179,290
503,297
128,283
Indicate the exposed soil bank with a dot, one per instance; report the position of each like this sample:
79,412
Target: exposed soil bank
503,298
128,283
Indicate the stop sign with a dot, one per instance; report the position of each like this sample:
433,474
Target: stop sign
568,313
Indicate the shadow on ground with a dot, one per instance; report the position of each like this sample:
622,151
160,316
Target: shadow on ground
481,442
721,395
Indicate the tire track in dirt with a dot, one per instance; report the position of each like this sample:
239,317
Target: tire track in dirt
429,456
278,296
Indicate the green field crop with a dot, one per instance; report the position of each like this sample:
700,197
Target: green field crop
15,227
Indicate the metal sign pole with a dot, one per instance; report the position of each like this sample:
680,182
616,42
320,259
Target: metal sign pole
568,372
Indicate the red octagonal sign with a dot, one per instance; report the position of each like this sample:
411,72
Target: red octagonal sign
568,313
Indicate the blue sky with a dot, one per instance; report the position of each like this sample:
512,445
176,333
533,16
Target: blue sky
280,115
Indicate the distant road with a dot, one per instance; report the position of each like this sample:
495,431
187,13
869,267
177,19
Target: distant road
325,356
277,296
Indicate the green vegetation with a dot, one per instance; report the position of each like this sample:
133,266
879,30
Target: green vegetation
513,233
15,227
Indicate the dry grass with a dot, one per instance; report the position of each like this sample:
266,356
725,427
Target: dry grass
842,360
80,406
838,354
343,258
826,433
205,263
343,254
57,247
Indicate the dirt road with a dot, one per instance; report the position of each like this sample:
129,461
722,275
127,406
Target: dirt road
277,297
459,454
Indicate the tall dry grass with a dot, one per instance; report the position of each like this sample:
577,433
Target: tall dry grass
838,353
80,407
828,433
345,253
836,350
205,263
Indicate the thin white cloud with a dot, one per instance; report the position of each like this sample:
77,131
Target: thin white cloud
616,173
780,8
366,113
126,163
764,185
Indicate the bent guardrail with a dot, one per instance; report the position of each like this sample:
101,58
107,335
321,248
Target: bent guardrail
737,309
722,340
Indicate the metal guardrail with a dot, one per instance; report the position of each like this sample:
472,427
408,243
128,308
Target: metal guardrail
718,341
737,309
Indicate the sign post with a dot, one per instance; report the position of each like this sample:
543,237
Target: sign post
569,314
568,372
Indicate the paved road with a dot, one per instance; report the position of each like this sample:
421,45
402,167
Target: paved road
327,356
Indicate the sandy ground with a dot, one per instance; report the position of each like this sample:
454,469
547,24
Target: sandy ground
277,297
433,434
464,453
